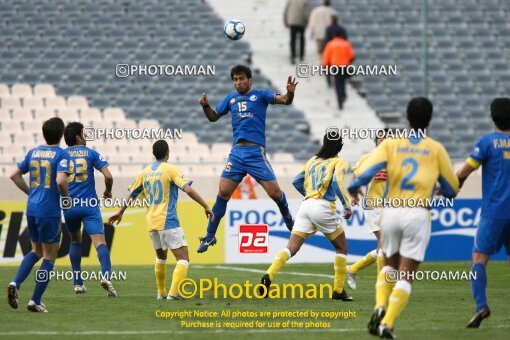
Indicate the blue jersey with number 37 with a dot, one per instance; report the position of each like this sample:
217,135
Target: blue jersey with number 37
43,163
248,114
83,161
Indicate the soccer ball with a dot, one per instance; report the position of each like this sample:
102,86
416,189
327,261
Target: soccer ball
234,29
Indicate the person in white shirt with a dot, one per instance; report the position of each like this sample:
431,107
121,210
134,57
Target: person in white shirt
320,19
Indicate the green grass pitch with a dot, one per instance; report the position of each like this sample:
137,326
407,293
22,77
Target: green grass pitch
436,310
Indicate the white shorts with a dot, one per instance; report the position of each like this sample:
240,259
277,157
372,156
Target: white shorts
373,219
405,231
317,214
168,238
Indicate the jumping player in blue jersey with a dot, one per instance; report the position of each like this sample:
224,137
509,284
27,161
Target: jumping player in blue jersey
82,188
48,166
248,155
492,152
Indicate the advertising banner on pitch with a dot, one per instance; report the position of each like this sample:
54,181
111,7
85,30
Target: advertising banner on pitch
452,234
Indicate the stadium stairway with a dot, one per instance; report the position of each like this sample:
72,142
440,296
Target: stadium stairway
269,42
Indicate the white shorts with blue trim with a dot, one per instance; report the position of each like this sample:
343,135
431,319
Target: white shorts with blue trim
168,239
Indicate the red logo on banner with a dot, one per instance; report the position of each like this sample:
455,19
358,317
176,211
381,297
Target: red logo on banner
253,238
381,175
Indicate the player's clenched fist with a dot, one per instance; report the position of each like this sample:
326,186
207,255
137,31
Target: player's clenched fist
203,100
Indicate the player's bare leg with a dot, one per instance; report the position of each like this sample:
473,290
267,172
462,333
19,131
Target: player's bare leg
180,272
23,271
293,246
399,295
103,255
160,272
478,287
340,267
226,189
273,190
50,251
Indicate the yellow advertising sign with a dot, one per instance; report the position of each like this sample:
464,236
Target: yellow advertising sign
129,242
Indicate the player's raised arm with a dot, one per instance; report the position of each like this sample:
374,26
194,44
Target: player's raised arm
209,112
289,96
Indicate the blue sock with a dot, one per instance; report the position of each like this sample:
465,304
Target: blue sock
283,205
75,257
104,258
479,284
219,211
25,268
40,287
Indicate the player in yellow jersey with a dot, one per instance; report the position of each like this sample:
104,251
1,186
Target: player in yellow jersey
320,181
160,183
375,190
414,165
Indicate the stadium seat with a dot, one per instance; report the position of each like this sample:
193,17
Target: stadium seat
283,158
113,114
9,103
77,102
56,103
91,115
69,115
11,125
203,170
21,91
148,124
22,114
44,114
5,115
4,91
33,103
126,124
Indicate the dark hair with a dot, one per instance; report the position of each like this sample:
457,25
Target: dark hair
419,113
71,131
331,146
377,135
340,32
327,2
500,112
160,149
52,130
334,19
240,69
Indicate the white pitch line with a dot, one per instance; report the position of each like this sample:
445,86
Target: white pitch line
239,269
243,330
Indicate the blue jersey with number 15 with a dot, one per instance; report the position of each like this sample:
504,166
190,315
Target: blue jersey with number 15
248,114
43,163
